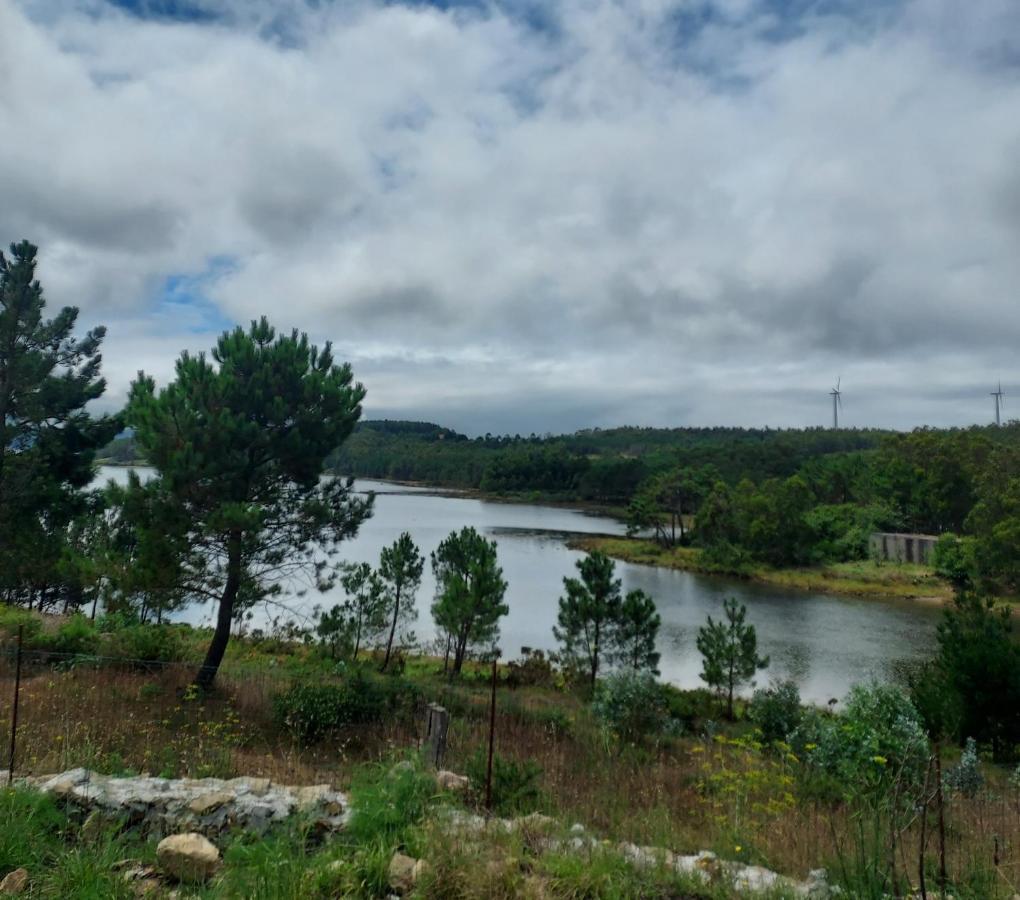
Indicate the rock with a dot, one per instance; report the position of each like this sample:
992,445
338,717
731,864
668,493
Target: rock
450,781
312,795
188,857
207,803
15,882
404,872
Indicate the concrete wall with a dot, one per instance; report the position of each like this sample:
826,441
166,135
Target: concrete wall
911,548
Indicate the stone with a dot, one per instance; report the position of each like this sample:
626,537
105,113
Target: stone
312,795
207,803
189,857
14,883
403,873
450,781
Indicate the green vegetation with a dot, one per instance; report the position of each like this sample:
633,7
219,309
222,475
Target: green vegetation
729,652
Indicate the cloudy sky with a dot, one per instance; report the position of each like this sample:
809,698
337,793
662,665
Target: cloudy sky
526,215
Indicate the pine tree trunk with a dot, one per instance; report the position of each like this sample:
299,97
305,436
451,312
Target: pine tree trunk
221,636
595,656
393,629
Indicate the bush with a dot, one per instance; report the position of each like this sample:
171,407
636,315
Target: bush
312,711
776,710
965,778
533,669
878,738
147,643
515,788
76,636
631,705
953,559
12,618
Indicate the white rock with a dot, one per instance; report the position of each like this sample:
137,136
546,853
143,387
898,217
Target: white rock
14,882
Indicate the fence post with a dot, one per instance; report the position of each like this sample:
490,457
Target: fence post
437,723
492,734
14,709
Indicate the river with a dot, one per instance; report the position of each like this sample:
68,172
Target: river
825,643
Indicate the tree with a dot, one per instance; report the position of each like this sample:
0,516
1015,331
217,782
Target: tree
361,617
633,633
47,439
400,568
730,651
589,611
239,443
469,591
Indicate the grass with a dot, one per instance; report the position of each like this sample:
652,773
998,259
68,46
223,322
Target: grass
861,578
685,793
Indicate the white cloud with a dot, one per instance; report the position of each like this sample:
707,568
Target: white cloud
632,216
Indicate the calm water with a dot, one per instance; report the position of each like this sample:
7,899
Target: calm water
824,643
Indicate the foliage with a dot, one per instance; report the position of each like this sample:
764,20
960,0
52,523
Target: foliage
515,785
360,619
965,777
729,651
388,801
75,636
47,439
311,712
147,643
239,442
533,669
631,705
776,710
634,633
400,569
469,592
953,559
588,612
878,738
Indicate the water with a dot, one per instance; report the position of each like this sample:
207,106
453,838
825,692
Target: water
825,643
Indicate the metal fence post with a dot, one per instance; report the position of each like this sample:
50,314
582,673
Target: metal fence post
14,709
492,734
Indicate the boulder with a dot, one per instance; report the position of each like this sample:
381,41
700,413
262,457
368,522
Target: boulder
15,882
188,857
405,872
450,781
207,803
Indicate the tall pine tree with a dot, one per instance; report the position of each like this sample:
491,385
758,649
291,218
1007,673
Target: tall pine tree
239,441
47,439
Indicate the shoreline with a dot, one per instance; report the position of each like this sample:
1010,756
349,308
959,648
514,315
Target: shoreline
914,584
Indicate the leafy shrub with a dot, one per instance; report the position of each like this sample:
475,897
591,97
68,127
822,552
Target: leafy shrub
689,708
533,669
877,738
12,618
147,643
515,787
311,711
631,705
953,559
726,559
965,778
75,636
776,710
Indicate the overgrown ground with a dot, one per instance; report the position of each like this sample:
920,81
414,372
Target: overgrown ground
712,786
862,578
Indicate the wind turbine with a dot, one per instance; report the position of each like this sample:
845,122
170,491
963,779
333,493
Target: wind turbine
998,395
837,403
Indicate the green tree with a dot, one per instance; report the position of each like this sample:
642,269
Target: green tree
634,633
400,568
730,651
361,617
239,443
469,592
588,612
47,439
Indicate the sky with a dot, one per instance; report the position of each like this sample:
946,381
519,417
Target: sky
521,216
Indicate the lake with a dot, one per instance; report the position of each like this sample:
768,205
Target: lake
824,643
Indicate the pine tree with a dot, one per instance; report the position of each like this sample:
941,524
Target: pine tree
469,592
730,651
239,442
589,611
634,632
47,439
400,568
362,617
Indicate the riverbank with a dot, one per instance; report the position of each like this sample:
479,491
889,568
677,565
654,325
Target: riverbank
863,578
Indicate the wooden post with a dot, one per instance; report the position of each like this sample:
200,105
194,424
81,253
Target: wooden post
492,735
437,724
14,709
943,877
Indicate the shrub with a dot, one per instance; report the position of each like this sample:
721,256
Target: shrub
75,636
12,618
776,710
147,643
631,705
965,778
953,559
515,787
533,669
876,739
312,711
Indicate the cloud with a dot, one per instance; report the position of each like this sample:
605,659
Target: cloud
512,215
